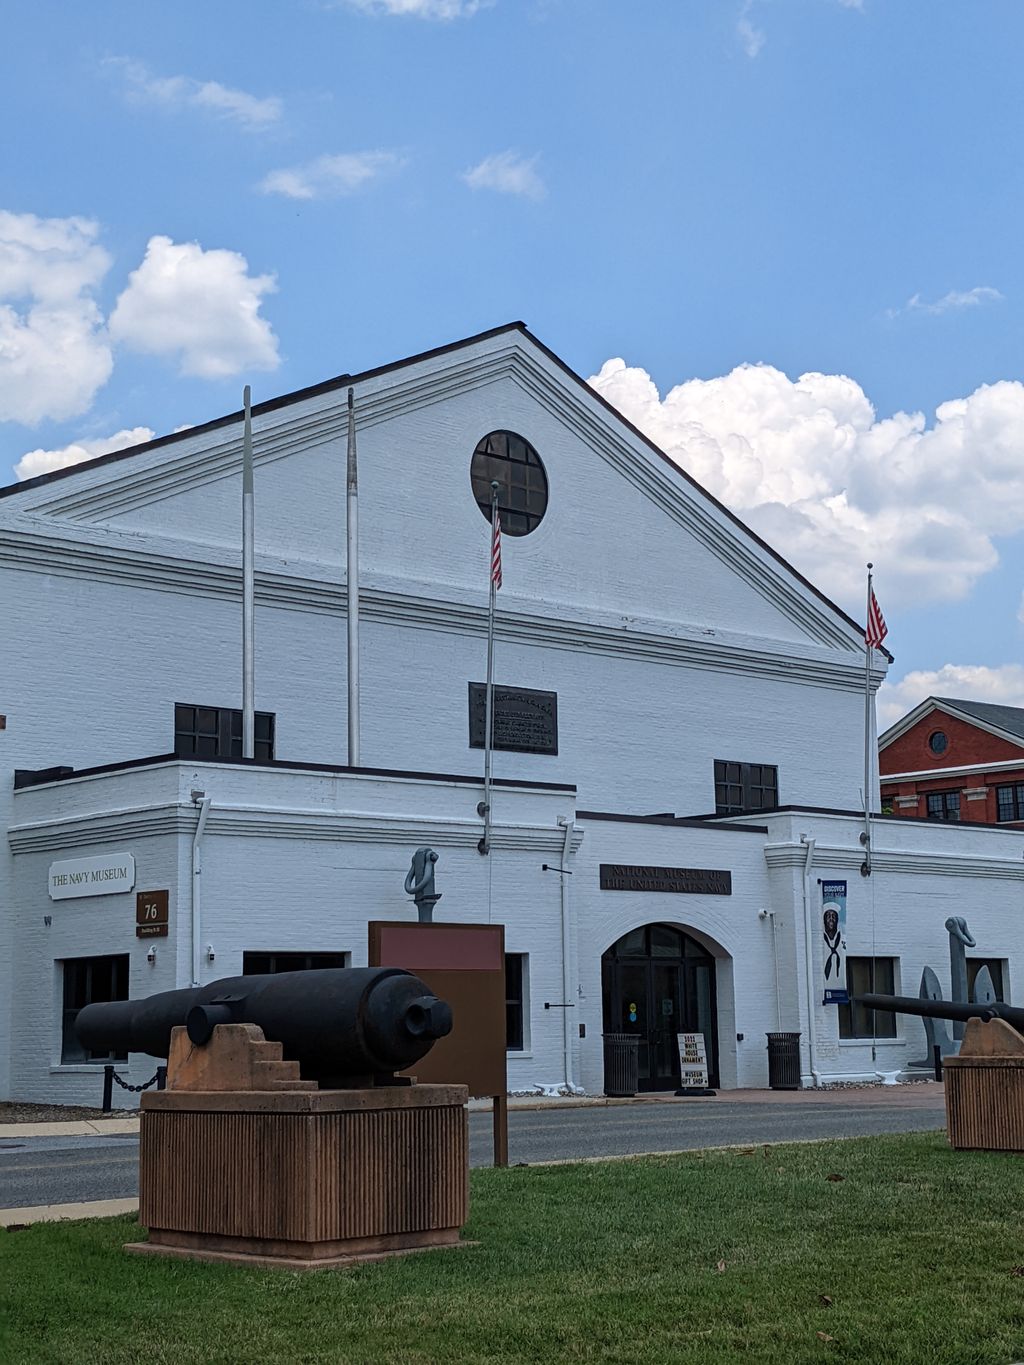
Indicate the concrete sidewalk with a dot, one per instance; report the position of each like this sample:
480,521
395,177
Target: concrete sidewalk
69,1128
57,1213
914,1094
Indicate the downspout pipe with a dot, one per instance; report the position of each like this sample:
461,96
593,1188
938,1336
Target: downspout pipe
812,1027
204,802
568,995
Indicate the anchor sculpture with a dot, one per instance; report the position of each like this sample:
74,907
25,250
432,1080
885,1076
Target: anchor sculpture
960,939
937,1030
419,883
984,988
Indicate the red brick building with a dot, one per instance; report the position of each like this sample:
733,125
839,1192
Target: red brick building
955,760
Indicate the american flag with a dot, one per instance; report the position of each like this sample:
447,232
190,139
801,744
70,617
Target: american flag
877,629
496,550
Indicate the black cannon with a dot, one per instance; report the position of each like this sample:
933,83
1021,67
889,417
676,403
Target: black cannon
343,1025
943,1009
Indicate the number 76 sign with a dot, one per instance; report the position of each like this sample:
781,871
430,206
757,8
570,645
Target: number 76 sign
152,913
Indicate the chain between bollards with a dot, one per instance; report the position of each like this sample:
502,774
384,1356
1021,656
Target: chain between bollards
159,1079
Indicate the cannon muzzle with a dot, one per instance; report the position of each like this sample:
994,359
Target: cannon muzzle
943,1009
341,1024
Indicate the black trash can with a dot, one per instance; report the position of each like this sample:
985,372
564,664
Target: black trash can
784,1061
621,1064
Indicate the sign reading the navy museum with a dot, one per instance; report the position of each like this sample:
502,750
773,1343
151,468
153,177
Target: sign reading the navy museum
833,931
691,881
525,721
103,876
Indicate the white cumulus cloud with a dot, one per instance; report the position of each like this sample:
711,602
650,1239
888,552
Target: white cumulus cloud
344,173
54,354
200,307
250,112
421,9
45,461
508,173
1003,685
809,465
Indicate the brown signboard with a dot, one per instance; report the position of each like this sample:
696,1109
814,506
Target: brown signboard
463,964
152,914
690,881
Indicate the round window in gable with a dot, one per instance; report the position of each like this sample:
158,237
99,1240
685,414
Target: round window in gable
509,460
937,742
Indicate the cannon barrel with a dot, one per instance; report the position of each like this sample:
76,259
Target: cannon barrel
336,1022
942,1009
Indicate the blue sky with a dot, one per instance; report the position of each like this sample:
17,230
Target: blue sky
196,196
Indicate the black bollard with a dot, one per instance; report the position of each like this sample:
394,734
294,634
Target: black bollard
108,1088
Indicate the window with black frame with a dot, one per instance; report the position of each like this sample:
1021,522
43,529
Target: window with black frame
943,806
504,458
742,787
263,964
864,976
216,732
516,981
90,981
1010,802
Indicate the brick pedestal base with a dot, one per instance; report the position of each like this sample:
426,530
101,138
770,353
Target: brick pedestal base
303,1179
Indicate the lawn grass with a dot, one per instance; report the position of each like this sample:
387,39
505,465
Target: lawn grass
914,1255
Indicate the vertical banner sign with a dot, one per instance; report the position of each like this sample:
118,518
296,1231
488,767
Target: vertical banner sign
693,1061
833,932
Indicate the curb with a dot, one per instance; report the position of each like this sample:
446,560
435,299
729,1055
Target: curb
101,1127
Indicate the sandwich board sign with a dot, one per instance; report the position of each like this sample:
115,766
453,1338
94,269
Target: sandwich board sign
693,1061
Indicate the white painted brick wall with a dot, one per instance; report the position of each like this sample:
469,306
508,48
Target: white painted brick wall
613,603
289,890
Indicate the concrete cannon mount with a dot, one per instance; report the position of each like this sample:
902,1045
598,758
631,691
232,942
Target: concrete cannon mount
240,1160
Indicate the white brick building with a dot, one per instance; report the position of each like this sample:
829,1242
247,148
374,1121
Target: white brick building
672,638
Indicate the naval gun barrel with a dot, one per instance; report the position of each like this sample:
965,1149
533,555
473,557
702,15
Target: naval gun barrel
337,1022
943,1009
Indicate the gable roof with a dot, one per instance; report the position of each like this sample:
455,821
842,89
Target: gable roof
1007,722
347,380
1009,719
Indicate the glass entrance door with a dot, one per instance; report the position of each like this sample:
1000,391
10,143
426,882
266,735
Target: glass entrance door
658,982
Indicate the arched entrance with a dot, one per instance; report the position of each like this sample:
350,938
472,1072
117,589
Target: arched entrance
658,981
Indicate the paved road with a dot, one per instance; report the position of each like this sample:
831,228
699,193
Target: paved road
67,1170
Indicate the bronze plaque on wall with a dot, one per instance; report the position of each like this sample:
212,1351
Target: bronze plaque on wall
152,913
691,881
525,720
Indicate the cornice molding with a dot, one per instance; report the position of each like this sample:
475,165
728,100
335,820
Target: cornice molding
317,421
320,420
25,549
947,708
794,855
256,822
